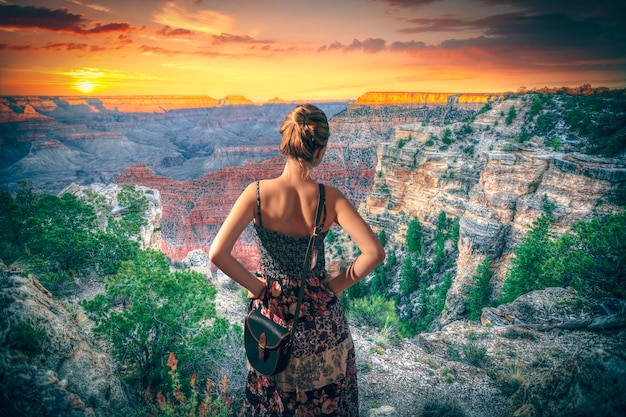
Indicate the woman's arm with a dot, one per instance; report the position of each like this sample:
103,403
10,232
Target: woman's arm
372,252
241,214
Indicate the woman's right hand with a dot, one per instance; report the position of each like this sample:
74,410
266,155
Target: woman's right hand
252,296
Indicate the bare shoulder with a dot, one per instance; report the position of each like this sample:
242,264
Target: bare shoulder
333,194
248,195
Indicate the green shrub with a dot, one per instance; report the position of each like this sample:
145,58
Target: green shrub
442,406
60,238
554,143
526,273
475,355
26,338
447,137
415,237
511,115
519,333
374,311
589,258
510,380
410,275
147,312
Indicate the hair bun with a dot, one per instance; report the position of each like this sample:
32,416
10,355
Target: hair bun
304,130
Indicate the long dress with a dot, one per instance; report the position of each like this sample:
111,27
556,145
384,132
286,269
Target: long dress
321,379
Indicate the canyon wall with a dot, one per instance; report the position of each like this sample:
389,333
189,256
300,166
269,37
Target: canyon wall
464,100
387,154
495,186
195,208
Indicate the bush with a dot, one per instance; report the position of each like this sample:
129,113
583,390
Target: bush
415,237
445,406
510,380
410,276
148,311
511,115
26,338
189,401
519,333
590,258
526,273
374,311
59,238
554,143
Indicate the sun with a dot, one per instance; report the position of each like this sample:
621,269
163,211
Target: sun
85,86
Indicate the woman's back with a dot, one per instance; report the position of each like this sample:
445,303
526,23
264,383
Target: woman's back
288,207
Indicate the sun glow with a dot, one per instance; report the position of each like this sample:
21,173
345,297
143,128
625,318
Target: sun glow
85,86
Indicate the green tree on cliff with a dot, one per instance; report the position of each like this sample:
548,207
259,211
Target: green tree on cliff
480,291
526,273
415,237
147,311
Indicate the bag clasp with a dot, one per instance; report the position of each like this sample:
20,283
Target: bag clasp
262,344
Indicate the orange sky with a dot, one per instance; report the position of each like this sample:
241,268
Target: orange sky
315,49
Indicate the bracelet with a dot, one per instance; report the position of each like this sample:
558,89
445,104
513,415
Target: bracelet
350,274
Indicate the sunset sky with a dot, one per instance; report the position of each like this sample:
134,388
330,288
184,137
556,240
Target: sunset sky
316,49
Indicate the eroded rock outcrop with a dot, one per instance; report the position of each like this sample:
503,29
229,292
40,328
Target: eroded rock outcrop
48,364
194,210
495,187
150,234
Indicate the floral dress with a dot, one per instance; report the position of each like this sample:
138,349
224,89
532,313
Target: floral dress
320,379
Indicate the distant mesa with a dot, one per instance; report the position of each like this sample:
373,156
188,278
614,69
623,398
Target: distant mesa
234,101
414,98
276,100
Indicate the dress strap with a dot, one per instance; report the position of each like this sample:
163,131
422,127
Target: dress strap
258,201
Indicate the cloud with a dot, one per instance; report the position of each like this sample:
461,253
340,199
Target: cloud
225,38
157,50
59,20
548,32
168,31
16,48
407,3
67,46
369,45
199,21
426,25
407,46
93,6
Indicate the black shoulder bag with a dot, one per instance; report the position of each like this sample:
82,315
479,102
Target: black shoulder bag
267,343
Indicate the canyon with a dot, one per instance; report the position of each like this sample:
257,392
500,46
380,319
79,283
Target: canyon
397,156
199,153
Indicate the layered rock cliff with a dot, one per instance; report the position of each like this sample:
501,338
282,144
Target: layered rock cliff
472,101
55,141
493,183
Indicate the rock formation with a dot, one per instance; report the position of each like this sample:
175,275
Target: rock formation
55,141
471,100
48,363
495,187
150,234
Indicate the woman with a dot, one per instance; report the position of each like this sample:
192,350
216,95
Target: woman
321,376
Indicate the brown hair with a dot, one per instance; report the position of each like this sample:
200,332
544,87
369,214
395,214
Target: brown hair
304,130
